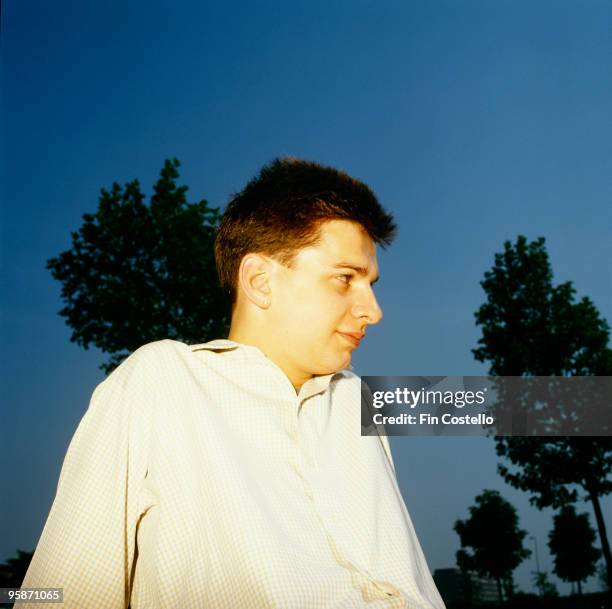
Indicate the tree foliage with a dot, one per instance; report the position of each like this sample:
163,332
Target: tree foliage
532,327
602,577
494,537
13,571
571,543
137,273
545,587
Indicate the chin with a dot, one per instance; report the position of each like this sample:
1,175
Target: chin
331,361
343,362
330,367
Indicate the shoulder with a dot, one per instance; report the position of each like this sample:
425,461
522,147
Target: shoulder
142,379
159,349
150,361
156,351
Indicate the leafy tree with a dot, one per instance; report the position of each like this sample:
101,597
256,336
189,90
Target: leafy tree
545,587
494,537
508,585
531,327
138,273
14,570
602,576
571,543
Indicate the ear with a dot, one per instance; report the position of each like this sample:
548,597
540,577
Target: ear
254,279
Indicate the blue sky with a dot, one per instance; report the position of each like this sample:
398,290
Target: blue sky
473,121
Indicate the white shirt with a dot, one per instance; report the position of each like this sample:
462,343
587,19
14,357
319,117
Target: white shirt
199,479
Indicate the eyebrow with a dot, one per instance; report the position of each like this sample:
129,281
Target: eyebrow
359,269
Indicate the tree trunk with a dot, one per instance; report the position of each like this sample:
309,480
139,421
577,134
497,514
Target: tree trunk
603,537
579,588
499,591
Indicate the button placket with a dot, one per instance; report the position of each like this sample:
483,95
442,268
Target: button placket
323,498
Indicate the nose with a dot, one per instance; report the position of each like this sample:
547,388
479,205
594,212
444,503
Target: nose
367,307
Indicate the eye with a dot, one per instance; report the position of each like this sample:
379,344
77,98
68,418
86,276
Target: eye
346,279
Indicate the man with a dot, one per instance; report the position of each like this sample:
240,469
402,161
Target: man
233,474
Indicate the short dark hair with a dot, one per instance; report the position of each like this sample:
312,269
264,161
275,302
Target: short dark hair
280,210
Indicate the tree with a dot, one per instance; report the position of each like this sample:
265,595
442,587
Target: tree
138,273
492,533
531,327
14,570
571,543
602,576
545,587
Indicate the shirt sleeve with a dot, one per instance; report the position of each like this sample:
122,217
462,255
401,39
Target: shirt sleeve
88,542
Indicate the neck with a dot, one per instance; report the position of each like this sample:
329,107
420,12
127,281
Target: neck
257,336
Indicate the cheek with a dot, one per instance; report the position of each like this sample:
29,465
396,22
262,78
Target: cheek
299,316
314,310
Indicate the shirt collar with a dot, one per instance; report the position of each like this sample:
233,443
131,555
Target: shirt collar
316,384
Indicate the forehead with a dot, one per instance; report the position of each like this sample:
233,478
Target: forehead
341,242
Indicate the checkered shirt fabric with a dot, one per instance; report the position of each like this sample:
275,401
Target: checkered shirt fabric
199,479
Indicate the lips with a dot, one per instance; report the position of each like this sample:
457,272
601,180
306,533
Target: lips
353,337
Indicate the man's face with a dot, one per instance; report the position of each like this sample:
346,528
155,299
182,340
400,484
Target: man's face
322,305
